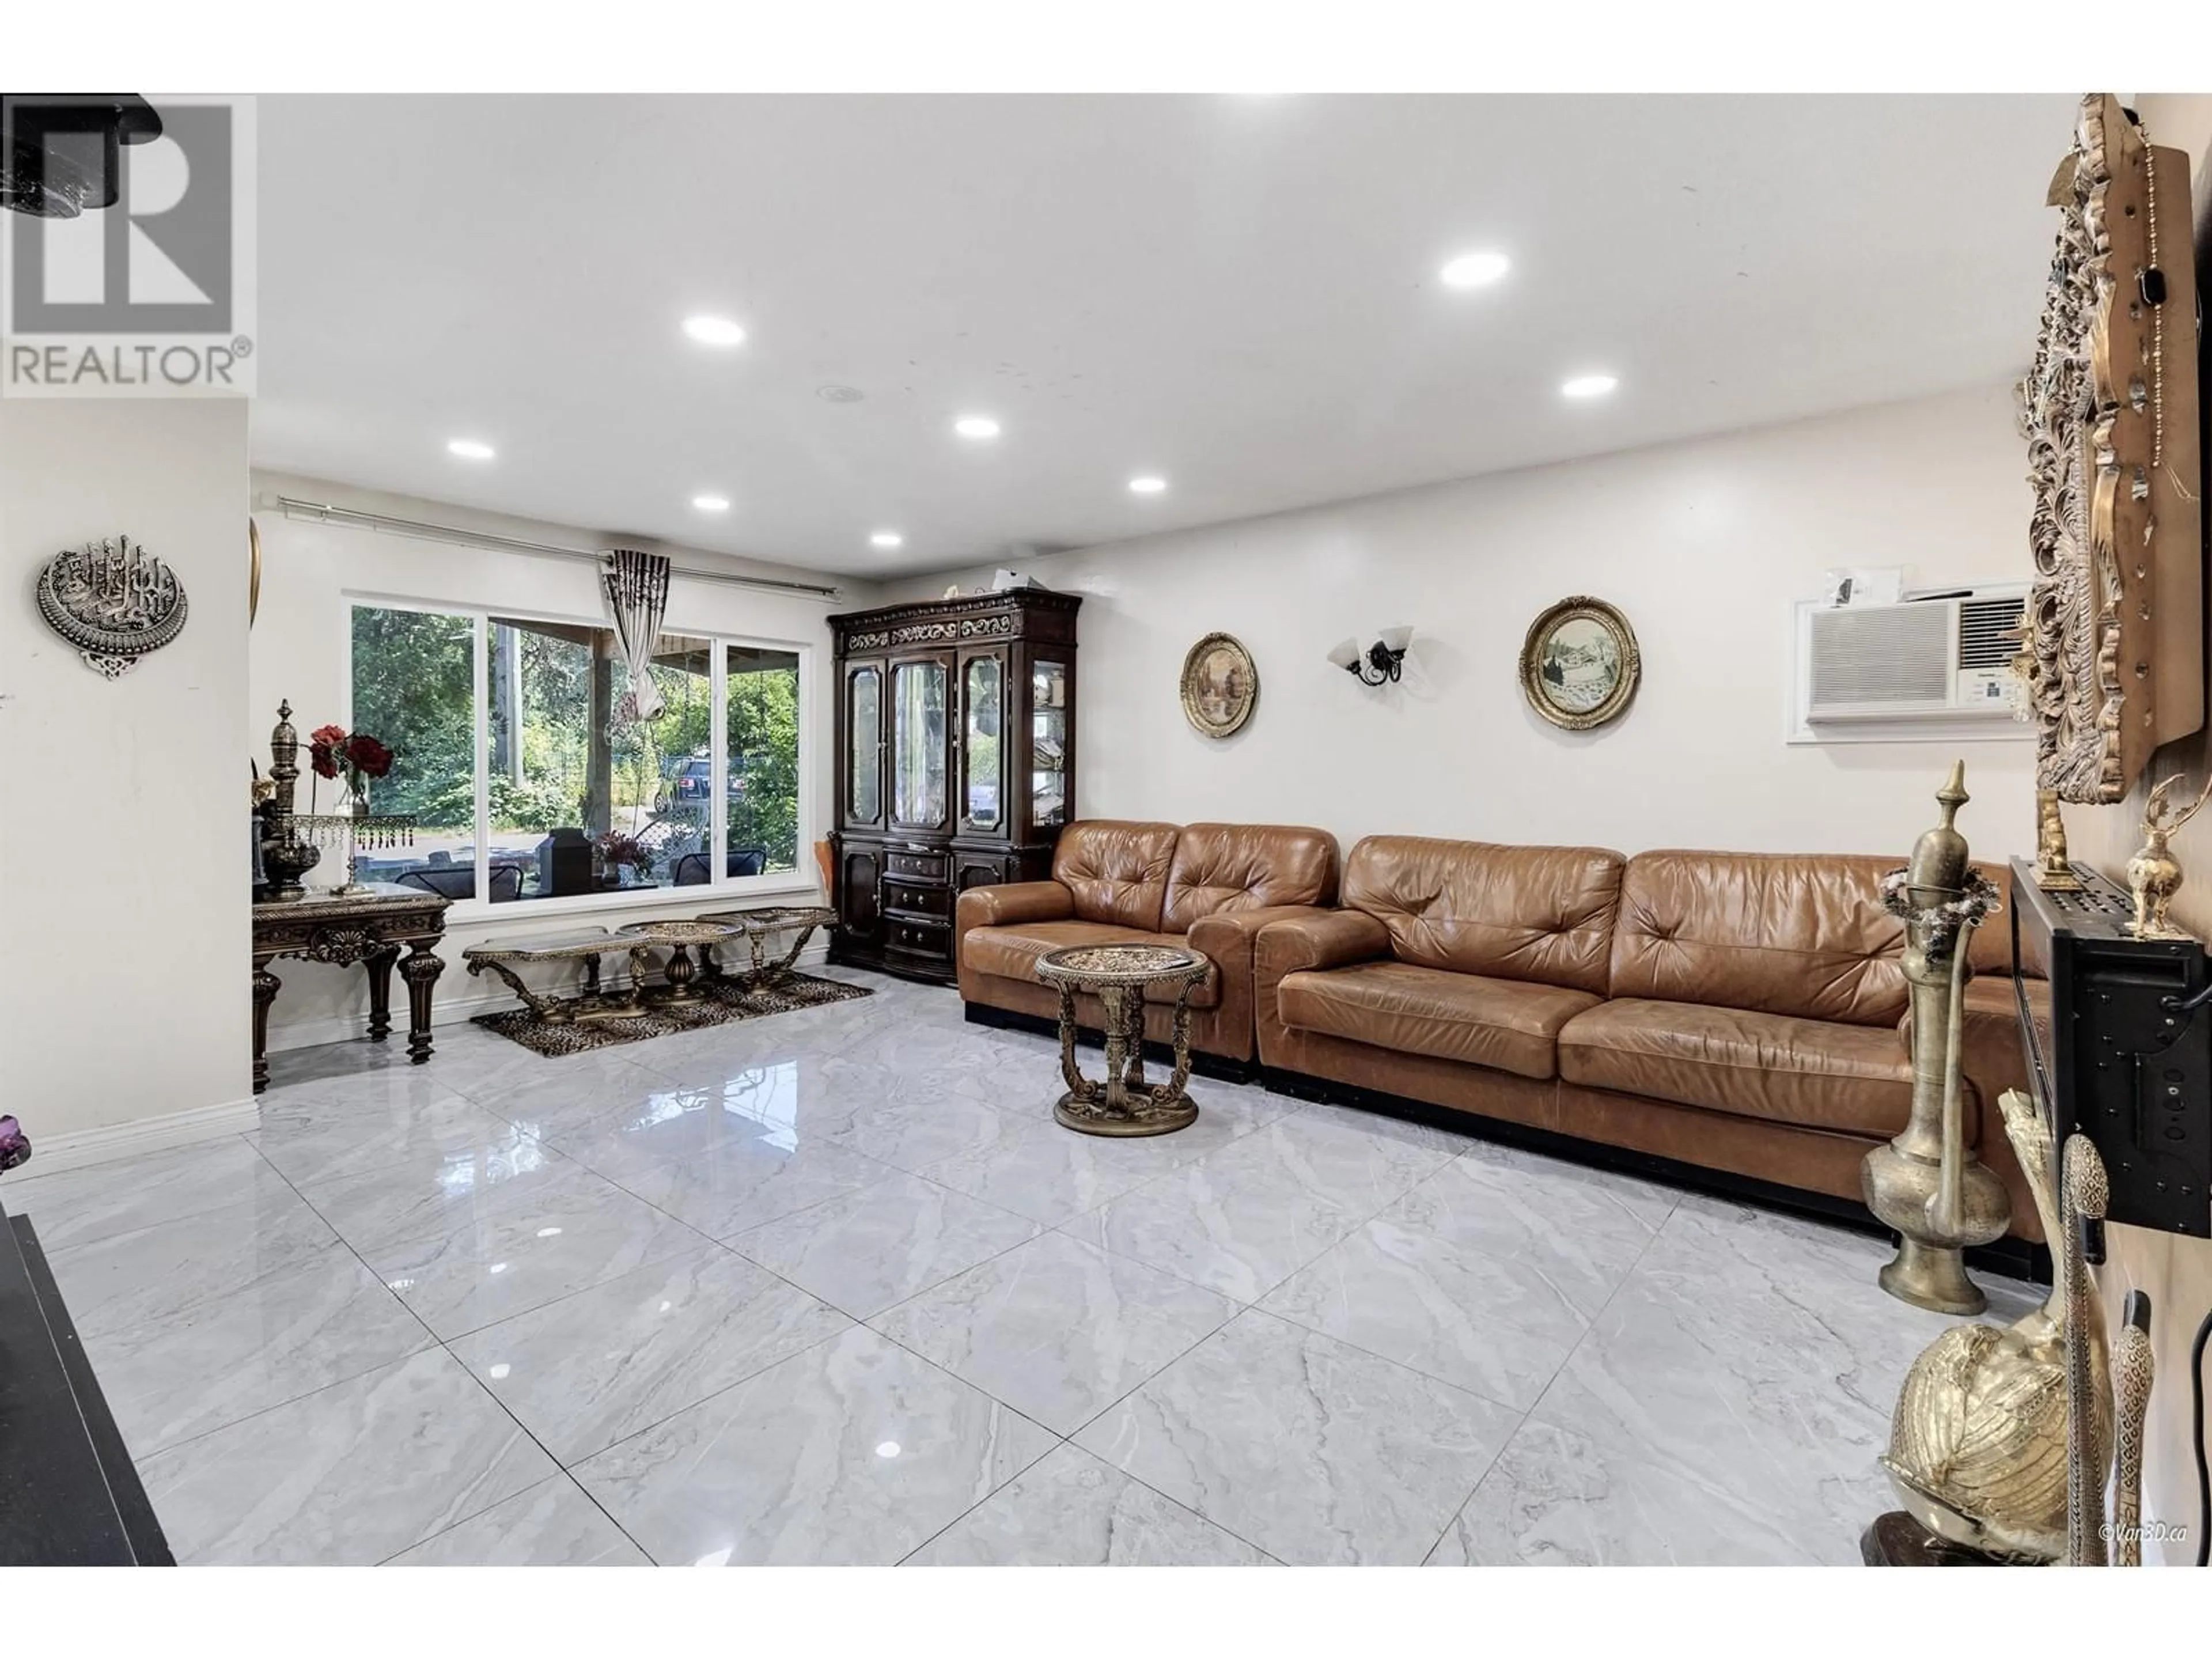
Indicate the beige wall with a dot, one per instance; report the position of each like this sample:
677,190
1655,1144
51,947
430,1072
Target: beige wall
1704,545
2175,1272
123,843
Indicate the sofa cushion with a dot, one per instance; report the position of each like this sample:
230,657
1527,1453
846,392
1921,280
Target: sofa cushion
1820,1074
1243,866
1506,1024
1117,870
1542,914
1801,935
1012,951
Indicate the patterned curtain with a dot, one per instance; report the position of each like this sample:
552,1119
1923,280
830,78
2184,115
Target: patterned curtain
637,593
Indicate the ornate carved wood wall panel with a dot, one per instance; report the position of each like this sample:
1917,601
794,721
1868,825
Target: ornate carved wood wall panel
2115,623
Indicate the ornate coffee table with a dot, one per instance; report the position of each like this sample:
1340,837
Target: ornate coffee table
764,923
1123,1103
677,937
586,947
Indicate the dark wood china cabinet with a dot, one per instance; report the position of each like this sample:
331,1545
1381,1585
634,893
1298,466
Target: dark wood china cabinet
956,764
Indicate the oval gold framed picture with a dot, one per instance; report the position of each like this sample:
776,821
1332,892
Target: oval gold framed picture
1219,685
1579,666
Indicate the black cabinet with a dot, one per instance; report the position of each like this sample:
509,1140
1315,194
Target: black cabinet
956,745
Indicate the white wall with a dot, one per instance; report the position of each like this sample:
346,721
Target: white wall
124,993
310,573
1704,545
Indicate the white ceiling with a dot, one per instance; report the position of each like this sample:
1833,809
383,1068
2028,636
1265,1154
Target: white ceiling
1238,292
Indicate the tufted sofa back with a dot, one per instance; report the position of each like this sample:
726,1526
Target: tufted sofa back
1803,935
1544,914
1240,866
1117,869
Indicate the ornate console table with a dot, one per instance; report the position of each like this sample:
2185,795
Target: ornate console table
370,928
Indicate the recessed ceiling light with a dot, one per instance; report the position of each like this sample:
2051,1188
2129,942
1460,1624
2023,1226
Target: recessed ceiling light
469,449
711,503
713,331
1588,385
886,538
1146,484
1474,270
976,426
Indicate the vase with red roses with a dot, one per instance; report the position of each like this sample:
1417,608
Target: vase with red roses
356,756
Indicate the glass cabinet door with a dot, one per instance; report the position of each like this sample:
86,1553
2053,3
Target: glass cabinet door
1048,745
918,744
982,770
864,735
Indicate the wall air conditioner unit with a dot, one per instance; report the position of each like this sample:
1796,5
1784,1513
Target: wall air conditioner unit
1929,670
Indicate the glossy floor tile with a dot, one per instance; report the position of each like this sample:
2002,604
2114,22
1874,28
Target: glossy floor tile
576,1230
1072,1510
1242,1219
854,1452
873,1249
1057,1329
1317,1452
833,1286
347,1475
170,1377
81,1206
126,1280
551,1525
1488,1323
1554,1498
596,1367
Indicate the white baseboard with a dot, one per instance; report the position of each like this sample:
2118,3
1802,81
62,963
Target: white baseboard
482,996
52,1154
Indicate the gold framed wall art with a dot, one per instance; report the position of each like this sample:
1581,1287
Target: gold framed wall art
1220,685
1579,664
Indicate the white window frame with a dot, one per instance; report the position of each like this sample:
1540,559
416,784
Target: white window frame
721,890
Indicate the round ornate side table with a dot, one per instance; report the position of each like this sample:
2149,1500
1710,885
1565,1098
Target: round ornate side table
676,937
1123,1103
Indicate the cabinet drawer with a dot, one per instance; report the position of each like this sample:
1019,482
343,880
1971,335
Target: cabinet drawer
918,866
904,898
932,939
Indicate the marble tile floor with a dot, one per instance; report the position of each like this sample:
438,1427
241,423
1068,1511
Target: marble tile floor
832,1287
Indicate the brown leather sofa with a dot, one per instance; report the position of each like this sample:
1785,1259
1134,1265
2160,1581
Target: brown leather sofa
1210,886
1741,1013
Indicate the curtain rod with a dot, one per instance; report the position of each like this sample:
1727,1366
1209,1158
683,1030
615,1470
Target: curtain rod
323,512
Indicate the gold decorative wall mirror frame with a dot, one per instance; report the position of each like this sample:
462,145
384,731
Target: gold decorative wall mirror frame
2114,656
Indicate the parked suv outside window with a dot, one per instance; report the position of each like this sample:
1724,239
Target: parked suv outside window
691,782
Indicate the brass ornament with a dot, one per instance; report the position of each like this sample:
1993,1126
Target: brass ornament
2134,1370
2085,1190
113,601
1927,1184
2109,411
1979,1442
253,572
1580,664
2054,866
1220,685
2155,875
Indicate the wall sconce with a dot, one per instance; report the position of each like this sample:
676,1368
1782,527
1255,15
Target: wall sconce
1379,663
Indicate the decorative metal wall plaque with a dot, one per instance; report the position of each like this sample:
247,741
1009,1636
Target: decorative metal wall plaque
2114,625
113,601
